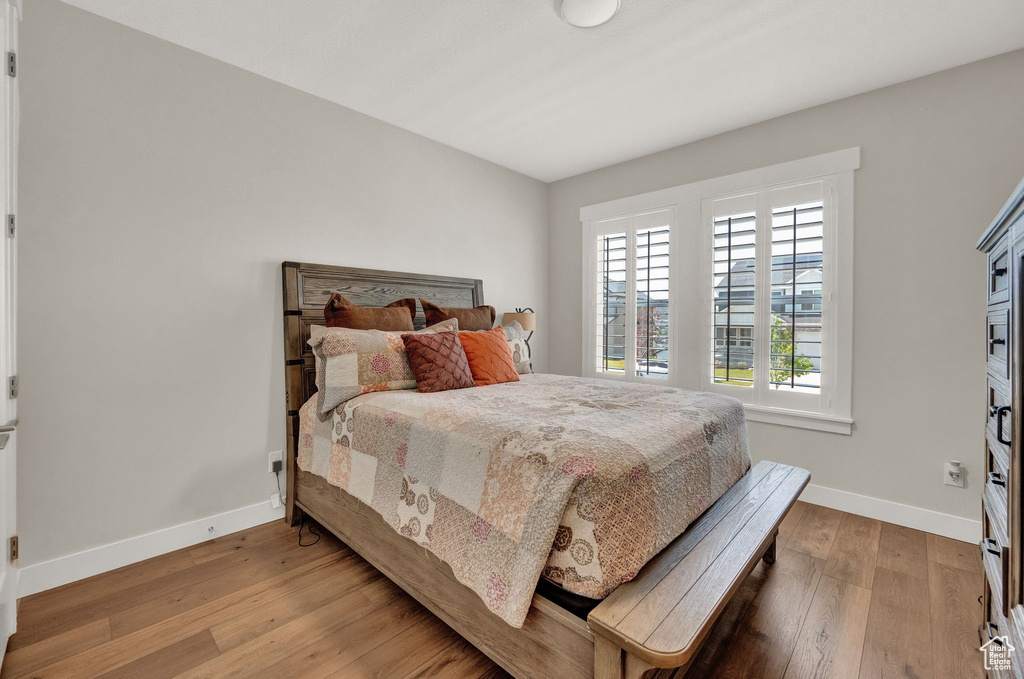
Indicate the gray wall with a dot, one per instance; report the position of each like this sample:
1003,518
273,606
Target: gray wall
940,155
160,191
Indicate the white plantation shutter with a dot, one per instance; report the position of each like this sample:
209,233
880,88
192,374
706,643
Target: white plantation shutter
652,293
611,302
769,318
631,284
797,314
797,261
734,271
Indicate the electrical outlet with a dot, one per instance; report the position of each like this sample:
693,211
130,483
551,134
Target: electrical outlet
954,474
272,457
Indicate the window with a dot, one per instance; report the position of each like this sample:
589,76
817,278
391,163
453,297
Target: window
741,285
632,263
767,277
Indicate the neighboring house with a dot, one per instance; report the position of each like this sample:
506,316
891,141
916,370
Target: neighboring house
651,327
796,302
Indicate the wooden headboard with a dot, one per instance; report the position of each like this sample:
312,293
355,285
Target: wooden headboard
307,287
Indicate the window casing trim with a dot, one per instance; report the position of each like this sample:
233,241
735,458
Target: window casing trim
688,253
781,173
800,419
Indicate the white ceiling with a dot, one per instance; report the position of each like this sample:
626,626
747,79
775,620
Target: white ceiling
508,81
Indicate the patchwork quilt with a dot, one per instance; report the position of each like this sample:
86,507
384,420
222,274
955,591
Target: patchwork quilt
579,480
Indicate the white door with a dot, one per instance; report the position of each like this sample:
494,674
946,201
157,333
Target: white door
10,15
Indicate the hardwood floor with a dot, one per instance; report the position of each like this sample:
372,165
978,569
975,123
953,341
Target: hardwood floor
847,597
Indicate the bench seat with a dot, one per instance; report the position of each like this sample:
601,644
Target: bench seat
661,618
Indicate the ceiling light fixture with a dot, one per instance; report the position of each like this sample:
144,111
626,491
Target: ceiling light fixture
588,13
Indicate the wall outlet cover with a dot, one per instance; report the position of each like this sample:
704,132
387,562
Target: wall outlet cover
954,475
274,456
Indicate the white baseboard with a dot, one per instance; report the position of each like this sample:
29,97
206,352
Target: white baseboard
956,527
62,570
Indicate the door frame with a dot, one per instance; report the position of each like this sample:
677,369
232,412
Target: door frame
11,18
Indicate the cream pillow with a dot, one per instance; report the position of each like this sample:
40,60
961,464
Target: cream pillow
353,362
516,338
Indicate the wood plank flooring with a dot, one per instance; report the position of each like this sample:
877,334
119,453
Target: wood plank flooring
847,597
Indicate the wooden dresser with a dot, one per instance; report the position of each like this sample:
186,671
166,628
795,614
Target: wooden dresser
1002,544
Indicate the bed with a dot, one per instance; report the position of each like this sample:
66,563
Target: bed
423,494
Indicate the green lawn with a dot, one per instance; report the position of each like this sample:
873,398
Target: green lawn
734,373
719,372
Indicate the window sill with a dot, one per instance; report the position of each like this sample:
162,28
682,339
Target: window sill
802,420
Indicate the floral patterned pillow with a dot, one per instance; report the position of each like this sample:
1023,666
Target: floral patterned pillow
353,362
514,331
516,337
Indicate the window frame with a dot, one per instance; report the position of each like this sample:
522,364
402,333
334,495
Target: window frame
691,283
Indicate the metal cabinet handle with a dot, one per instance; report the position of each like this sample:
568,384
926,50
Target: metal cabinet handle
998,271
992,631
997,340
991,545
996,479
1002,410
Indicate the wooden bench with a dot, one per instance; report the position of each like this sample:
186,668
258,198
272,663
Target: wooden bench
661,618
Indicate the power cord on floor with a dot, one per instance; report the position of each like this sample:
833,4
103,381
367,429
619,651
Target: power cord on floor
302,526
312,532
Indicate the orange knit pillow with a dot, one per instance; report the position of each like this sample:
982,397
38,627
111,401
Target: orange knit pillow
490,360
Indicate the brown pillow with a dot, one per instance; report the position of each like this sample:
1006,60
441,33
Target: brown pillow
438,361
480,318
341,313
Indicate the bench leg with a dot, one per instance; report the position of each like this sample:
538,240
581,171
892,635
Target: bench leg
635,667
611,662
769,554
607,659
